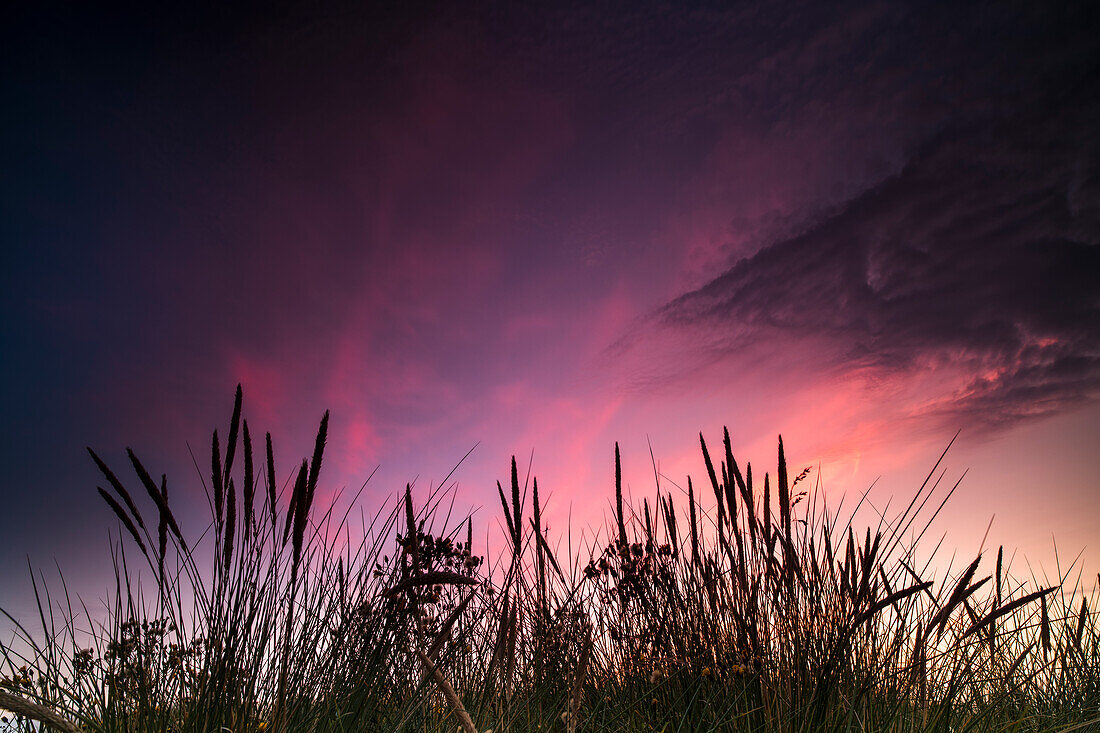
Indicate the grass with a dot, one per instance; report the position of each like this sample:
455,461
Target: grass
769,613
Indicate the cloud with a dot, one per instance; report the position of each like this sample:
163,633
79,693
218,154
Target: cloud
976,265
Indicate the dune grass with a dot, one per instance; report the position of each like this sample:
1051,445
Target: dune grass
770,612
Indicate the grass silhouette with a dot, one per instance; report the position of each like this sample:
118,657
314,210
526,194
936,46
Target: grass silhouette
753,617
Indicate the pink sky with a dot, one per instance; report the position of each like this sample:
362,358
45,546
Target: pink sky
865,230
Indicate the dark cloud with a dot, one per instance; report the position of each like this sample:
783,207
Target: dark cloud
980,257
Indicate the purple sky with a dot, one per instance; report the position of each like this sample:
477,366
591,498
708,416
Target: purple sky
863,226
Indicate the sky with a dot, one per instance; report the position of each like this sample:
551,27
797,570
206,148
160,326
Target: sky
536,230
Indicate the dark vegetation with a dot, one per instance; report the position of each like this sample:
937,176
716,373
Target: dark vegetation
767,613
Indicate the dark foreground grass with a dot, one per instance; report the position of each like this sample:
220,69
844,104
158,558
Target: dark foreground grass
768,613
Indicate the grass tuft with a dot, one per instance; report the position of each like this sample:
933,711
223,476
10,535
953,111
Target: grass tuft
749,618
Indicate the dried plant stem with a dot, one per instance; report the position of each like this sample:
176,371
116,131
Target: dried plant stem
22,706
448,692
578,689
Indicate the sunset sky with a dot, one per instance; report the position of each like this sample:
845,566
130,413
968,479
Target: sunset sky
537,228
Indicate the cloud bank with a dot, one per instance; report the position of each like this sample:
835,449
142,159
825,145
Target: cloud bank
977,264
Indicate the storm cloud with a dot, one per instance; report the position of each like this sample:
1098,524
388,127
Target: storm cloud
980,255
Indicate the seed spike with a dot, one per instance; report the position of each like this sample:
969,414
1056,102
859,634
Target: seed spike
507,513
301,513
784,492
249,482
271,496
315,463
234,426
731,495
1006,609
619,497
713,478
159,497
216,477
517,511
1081,624
767,514
124,518
117,486
746,489
162,528
230,526
412,541
694,525
1000,558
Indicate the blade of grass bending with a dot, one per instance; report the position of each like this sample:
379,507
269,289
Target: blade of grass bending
939,508
931,473
904,524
